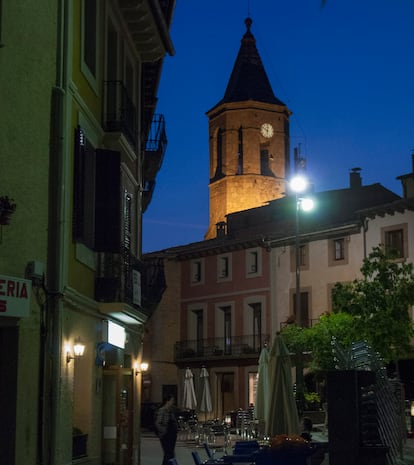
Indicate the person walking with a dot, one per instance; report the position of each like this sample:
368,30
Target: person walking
166,427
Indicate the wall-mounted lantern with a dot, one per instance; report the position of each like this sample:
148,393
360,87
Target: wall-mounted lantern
140,367
78,351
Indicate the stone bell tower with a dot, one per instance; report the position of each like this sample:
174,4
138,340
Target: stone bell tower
249,139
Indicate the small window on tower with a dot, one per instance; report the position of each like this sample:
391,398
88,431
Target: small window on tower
265,161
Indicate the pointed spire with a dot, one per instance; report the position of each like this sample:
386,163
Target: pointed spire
248,80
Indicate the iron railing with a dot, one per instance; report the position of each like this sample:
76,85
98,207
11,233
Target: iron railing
114,280
120,111
154,150
247,346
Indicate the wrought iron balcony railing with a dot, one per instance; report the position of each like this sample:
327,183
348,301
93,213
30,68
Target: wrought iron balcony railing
247,346
114,280
120,111
154,150
121,277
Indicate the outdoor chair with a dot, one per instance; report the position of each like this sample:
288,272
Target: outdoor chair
211,454
196,458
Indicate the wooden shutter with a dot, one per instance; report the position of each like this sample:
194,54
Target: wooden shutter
108,209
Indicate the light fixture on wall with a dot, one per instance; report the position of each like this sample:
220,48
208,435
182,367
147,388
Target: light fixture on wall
140,367
78,350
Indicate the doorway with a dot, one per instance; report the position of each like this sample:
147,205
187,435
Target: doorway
9,338
225,389
117,416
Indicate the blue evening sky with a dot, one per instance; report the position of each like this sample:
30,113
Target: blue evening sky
346,71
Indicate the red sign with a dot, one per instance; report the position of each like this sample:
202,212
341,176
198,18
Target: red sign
15,296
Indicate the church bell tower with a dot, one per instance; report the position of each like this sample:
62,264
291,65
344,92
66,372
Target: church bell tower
249,139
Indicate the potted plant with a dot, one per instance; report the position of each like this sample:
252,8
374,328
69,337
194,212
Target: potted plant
7,208
312,401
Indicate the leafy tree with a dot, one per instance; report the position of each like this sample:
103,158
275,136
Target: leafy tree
379,304
373,309
318,338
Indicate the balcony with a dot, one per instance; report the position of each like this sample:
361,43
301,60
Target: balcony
246,347
306,323
154,150
116,278
121,113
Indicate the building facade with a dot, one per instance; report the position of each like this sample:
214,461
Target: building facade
81,147
228,295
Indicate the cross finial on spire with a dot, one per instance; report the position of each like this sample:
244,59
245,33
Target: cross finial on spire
248,22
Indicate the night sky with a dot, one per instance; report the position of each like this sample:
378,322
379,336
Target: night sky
346,71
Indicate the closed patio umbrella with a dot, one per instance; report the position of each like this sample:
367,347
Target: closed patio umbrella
261,406
283,415
189,397
205,404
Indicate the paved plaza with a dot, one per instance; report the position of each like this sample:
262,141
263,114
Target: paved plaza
151,452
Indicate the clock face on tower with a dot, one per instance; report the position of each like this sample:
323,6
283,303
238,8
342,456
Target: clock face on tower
266,130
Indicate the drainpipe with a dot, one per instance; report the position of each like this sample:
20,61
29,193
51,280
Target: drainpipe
56,251
364,230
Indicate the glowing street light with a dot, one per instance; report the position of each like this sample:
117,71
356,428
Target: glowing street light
299,185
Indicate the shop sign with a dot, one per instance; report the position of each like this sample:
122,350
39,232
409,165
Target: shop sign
15,296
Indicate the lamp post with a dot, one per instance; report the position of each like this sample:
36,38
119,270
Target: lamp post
299,185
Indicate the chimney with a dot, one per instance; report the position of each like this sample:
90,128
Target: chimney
221,229
355,179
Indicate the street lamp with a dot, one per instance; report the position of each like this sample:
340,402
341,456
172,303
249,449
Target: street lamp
299,185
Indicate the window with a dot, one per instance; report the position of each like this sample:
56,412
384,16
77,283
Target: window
240,154
264,162
338,251
253,262
197,272
1,22
219,149
223,328
224,267
257,325
83,190
227,329
89,64
395,240
199,331
96,196
303,257
304,309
